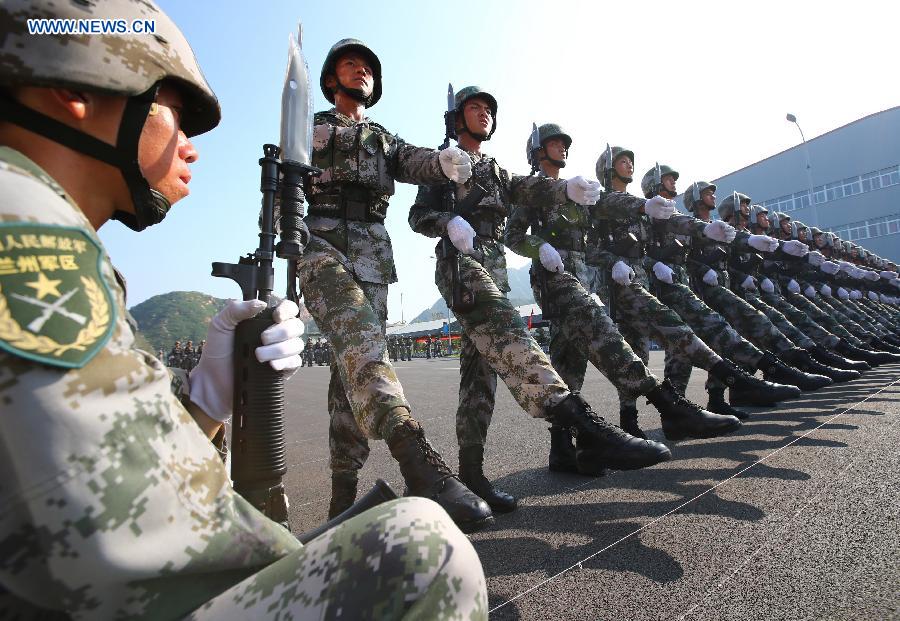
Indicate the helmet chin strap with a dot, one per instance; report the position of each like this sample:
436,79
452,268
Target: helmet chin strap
149,205
355,93
627,180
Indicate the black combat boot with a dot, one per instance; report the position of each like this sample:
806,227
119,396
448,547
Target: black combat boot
802,359
719,405
601,444
836,360
562,449
749,390
872,358
880,344
471,473
682,419
775,370
628,416
428,476
343,491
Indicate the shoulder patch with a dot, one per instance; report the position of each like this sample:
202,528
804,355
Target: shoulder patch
55,306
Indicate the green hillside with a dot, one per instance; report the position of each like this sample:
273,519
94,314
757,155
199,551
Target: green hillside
179,315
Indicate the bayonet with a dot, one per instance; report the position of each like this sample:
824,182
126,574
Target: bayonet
535,147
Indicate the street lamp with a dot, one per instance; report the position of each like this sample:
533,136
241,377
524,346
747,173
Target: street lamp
812,195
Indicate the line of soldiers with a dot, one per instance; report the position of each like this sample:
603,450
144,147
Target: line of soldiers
180,357
316,352
405,347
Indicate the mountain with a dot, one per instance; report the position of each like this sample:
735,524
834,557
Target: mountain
520,294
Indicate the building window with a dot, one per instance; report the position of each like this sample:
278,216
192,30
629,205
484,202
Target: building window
851,186
876,227
890,175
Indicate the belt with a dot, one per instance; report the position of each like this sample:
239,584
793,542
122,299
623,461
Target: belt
485,228
346,207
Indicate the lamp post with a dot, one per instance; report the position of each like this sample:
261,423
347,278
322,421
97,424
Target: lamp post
812,195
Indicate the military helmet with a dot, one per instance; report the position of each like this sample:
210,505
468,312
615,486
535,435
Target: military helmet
470,92
796,227
131,65
545,133
342,47
757,210
726,207
650,184
692,194
602,163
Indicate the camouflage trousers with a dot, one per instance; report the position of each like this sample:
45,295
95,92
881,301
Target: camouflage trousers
862,319
749,322
583,331
364,386
495,341
404,559
640,316
712,329
802,320
822,318
854,328
779,320
876,313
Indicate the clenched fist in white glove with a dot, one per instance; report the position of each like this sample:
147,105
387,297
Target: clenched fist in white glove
873,276
763,243
749,283
873,296
212,380
830,267
825,290
888,275
855,294
809,292
550,258
843,293
796,248
711,278
662,272
767,285
659,208
455,164
720,231
622,273
461,234
814,258
583,191
793,286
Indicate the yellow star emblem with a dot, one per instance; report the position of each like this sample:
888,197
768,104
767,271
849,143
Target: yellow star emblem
44,286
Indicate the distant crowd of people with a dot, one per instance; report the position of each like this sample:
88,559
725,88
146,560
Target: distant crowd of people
182,357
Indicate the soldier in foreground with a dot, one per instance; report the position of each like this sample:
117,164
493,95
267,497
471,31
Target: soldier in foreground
495,340
116,503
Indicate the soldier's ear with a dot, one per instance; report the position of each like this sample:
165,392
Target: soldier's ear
74,103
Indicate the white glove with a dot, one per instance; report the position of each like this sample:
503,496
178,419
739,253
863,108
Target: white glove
855,294
622,273
830,267
662,272
749,283
884,299
455,164
815,258
809,292
461,234
550,258
843,293
872,276
793,286
583,191
857,273
212,380
825,290
763,243
873,296
797,248
888,275
720,231
711,278
659,208
767,285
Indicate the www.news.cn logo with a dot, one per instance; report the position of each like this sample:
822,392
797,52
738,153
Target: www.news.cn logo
91,26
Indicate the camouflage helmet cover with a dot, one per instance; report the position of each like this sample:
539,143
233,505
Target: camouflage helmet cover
470,92
120,64
545,133
692,195
342,47
726,207
616,153
649,183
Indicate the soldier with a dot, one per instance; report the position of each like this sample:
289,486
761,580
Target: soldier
187,360
175,356
560,280
345,272
621,245
116,505
428,346
495,340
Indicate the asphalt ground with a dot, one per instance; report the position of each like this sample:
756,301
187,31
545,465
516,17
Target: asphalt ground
794,516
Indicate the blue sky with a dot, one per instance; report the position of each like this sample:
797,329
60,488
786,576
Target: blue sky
702,86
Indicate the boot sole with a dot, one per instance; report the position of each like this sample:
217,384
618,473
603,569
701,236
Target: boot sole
675,436
473,527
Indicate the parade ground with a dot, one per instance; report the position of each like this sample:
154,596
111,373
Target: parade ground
795,516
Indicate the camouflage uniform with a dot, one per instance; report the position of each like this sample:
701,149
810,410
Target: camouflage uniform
582,329
494,338
114,504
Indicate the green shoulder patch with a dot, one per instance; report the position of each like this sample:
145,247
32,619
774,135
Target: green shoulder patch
55,306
